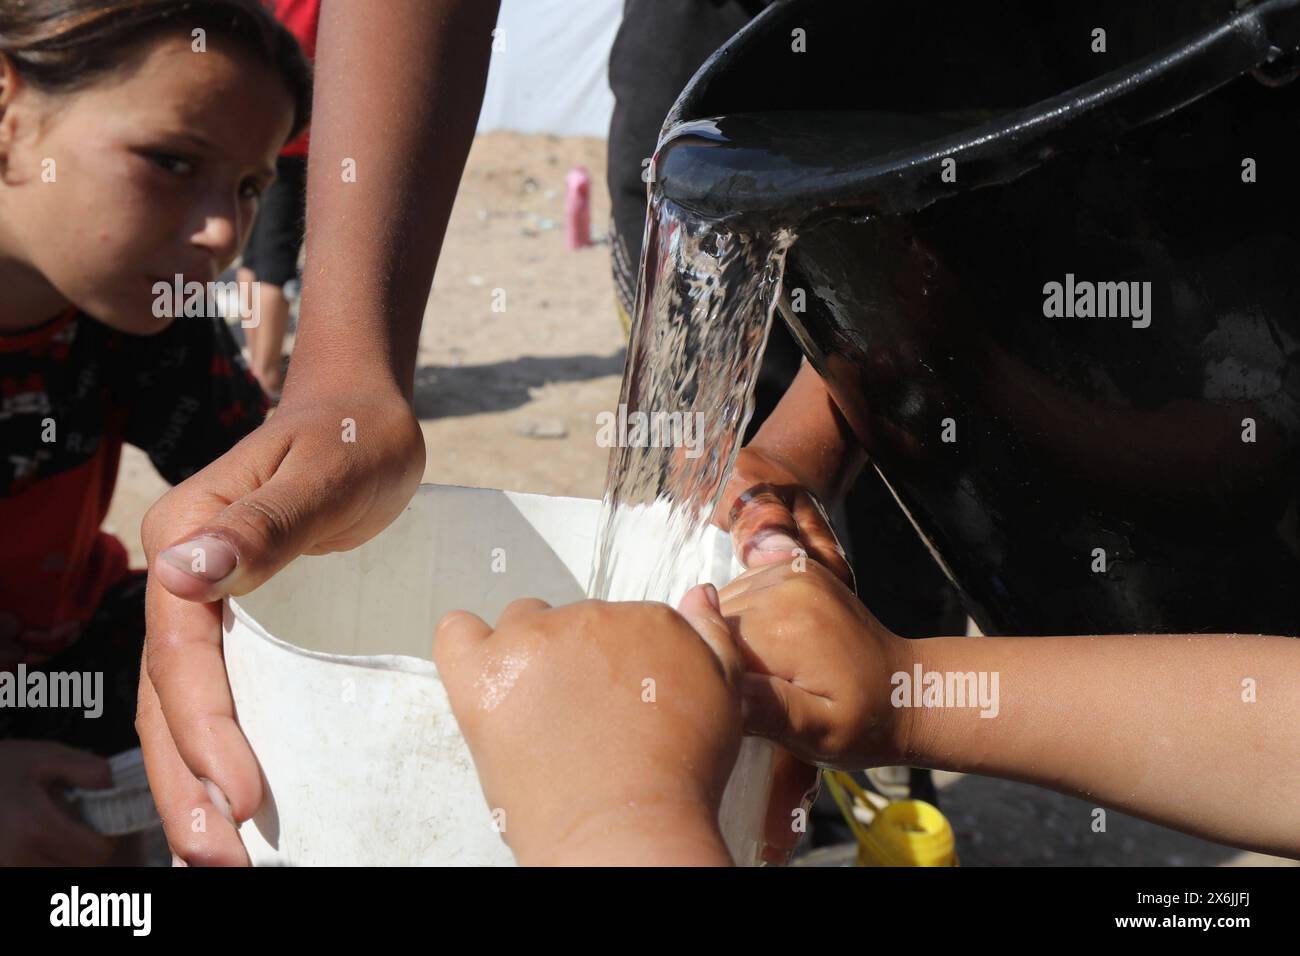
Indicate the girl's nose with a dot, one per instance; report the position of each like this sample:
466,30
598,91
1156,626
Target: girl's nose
219,236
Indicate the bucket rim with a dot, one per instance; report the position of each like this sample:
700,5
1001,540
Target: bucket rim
999,150
398,663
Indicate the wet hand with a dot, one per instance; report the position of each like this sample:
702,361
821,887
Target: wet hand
772,516
818,667
329,470
37,827
601,732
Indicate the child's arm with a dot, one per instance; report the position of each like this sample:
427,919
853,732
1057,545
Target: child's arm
802,458
399,87
808,433
1196,732
398,91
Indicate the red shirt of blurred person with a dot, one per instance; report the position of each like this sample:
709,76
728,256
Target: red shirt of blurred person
302,17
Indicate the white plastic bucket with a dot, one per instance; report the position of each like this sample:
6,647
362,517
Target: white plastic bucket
330,668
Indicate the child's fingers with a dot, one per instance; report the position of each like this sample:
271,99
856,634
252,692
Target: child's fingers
807,579
767,642
818,538
61,764
799,659
197,830
65,841
771,526
186,668
784,714
702,610
183,657
520,609
462,625
763,527
457,643
754,579
236,548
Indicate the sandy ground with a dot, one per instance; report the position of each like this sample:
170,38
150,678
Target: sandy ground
490,384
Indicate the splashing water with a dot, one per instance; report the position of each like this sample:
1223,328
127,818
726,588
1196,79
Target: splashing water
704,306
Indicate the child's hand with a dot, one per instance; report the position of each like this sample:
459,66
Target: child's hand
305,482
604,733
35,830
770,512
819,667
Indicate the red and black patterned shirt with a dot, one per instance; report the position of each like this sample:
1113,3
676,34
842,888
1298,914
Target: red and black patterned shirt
71,392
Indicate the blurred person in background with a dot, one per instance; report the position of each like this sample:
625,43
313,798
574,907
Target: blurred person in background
272,254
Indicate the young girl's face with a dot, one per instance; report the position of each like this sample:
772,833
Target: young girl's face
155,173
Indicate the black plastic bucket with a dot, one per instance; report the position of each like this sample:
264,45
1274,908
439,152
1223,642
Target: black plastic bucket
1073,471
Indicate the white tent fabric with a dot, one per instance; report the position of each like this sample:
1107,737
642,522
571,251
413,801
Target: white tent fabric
550,63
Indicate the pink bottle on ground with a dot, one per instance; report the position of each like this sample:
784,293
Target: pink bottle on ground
577,208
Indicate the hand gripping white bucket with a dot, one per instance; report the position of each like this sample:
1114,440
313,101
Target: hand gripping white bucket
329,664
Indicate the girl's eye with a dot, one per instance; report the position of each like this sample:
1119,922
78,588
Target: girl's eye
172,164
251,189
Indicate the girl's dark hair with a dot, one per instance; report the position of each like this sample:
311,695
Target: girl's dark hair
60,46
